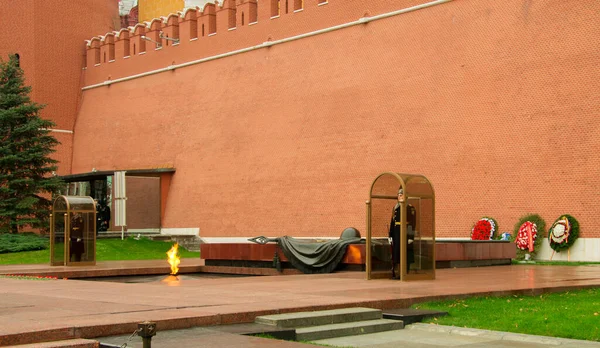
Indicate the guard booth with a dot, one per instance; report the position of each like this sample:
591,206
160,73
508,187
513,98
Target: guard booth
403,204
73,231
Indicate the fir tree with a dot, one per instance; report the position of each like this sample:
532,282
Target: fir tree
26,180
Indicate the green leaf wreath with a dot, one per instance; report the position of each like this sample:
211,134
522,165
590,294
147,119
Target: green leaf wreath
563,233
540,226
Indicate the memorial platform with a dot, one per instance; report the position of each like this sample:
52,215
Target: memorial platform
448,254
257,259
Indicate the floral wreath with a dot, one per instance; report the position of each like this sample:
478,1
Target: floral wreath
563,233
528,235
484,229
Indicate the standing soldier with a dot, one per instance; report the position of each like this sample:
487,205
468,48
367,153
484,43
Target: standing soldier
394,234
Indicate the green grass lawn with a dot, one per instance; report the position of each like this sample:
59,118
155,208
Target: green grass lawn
571,314
106,250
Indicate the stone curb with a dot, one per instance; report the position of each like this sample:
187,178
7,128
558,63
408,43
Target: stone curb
498,335
75,343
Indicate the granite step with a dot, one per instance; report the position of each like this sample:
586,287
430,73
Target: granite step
254,329
410,316
74,343
313,333
316,318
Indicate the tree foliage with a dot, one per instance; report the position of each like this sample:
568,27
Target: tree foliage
26,180
13,243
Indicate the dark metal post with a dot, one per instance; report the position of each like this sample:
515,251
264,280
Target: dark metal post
146,330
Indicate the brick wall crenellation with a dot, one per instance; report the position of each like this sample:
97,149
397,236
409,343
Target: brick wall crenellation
216,29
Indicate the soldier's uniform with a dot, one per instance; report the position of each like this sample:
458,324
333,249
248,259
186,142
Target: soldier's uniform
395,226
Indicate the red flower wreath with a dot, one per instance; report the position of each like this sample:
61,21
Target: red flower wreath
526,236
483,230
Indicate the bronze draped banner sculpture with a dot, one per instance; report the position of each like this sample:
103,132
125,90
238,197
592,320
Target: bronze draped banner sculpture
312,257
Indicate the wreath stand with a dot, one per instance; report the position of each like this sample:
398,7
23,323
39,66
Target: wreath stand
568,255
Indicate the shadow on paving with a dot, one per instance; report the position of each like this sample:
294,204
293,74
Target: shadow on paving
202,337
417,336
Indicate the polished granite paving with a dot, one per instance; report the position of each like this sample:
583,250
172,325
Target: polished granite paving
35,310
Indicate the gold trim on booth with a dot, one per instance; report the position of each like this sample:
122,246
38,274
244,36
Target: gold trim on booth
67,230
404,276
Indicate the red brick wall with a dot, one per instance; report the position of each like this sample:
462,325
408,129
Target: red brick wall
496,102
49,36
16,21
